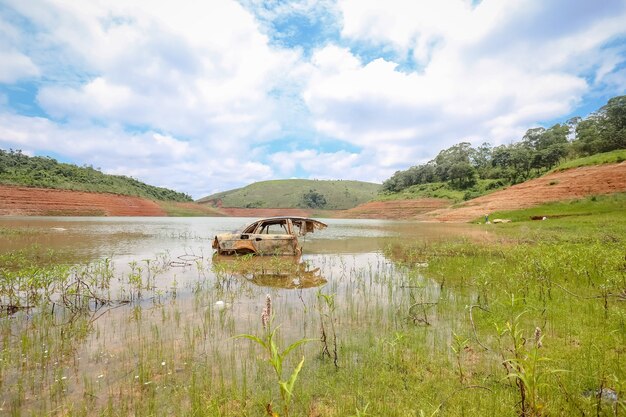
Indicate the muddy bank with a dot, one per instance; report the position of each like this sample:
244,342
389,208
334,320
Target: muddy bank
559,186
394,210
26,201
566,185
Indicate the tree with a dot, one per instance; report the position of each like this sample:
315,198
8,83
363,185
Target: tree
313,199
615,111
553,154
588,135
521,161
551,146
556,135
463,174
454,164
532,137
544,147
514,161
604,130
614,128
418,174
481,160
501,156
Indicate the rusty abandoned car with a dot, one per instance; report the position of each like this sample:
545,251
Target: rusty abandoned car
271,236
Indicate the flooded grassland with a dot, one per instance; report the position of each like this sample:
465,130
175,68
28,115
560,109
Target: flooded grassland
138,317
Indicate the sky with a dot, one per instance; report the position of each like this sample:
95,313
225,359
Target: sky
206,96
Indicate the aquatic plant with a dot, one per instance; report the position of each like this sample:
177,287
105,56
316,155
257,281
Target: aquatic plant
458,346
276,357
326,309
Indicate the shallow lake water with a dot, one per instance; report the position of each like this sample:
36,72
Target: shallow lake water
173,304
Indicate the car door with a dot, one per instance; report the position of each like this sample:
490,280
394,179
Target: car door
274,237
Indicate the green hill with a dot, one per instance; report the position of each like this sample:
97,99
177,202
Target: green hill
19,169
613,157
332,195
598,139
485,186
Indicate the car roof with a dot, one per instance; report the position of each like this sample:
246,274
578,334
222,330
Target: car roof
287,217
320,225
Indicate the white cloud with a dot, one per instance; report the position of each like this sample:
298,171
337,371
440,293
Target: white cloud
177,148
158,159
487,72
188,68
334,60
197,81
328,165
16,66
87,142
191,94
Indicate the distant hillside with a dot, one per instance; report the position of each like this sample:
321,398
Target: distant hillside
447,190
315,194
23,170
571,184
458,170
567,184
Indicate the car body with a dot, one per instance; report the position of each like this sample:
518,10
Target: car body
270,236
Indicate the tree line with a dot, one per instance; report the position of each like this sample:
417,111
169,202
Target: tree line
16,168
538,151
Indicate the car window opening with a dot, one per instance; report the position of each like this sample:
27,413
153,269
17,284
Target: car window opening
274,228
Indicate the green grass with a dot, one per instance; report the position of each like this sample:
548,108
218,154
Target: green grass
597,159
288,194
601,206
175,209
444,190
562,277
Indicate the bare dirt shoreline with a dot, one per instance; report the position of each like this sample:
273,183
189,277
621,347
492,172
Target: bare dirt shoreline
26,201
571,184
566,185
395,209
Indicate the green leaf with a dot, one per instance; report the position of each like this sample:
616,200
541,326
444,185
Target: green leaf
287,386
275,359
295,345
253,338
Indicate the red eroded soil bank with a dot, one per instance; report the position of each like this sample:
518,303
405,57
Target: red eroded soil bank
565,185
572,184
26,201
394,210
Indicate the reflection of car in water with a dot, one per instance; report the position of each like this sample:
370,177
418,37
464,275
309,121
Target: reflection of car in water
271,236
276,271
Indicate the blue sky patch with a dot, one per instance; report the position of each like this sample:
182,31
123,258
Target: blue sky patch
22,98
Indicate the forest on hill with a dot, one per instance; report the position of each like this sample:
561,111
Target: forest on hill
477,170
19,169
